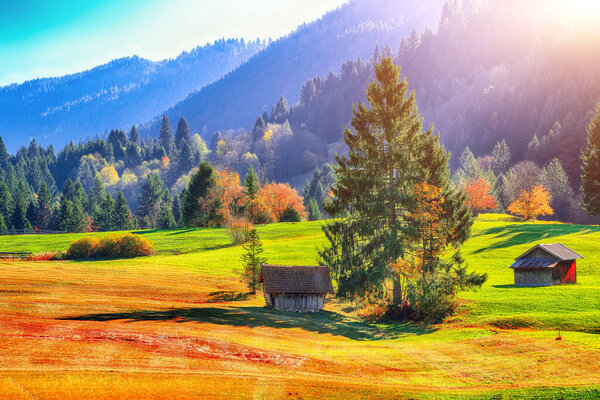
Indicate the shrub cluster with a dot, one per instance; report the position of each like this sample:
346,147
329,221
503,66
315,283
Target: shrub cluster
111,246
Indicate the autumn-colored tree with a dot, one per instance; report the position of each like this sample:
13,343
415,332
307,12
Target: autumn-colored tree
108,175
532,203
479,196
279,197
230,193
165,161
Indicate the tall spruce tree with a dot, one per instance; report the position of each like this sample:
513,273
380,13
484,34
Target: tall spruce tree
185,160
252,260
134,135
166,220
251,182
21,204
198,208
376,191
182,133
44,208
6,202
106,217
123,219
165,136
150,199
590,177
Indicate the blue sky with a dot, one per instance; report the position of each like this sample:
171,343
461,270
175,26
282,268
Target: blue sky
40,38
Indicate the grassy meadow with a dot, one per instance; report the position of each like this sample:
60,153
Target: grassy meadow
180,325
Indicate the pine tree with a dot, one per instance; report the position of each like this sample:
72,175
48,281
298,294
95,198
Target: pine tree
377,189
252,260
150,198
500,158
182,134
555,179
198,208
165,136
134,135
43,218
3,226
251,182
185,159
95,197
123,219
166,220
6,202
71,214
106,218
314,212
590,177
21,203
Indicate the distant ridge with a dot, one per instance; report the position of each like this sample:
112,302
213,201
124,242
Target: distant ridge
114,95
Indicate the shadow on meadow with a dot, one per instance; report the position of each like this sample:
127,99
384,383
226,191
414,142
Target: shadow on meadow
325,322
514,235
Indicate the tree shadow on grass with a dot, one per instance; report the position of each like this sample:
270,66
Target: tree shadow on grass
514,235
325,322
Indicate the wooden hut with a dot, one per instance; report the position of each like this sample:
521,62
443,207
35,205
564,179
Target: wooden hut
295,288
546,265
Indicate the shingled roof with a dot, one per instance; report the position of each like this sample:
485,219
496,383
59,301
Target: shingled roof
557,250
535,263
295,279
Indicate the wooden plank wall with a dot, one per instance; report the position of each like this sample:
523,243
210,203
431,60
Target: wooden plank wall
297,302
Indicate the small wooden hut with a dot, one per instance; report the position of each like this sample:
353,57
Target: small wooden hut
295,288
546,265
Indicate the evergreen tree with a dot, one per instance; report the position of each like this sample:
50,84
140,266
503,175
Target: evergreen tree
134,135
166,220
6,202
555,180
95,197
21,204
252,260
43,218
251,182
165,136
185,159
280,111
314,212
590,177
150,199
378,191
106,217
71,213
123,219
500,158
198,208
3,226
182,134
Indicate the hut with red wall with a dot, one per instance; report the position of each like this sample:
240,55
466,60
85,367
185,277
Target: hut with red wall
546,265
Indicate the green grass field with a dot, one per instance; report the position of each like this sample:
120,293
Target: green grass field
180,325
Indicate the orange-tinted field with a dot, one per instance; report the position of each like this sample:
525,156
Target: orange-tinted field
152,329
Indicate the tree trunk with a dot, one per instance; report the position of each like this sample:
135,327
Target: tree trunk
397,292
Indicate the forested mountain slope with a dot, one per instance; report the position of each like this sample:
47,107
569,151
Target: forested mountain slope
348,32
118,94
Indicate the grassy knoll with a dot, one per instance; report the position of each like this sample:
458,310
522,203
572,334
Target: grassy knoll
180,325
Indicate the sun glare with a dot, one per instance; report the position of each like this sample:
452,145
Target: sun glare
581,11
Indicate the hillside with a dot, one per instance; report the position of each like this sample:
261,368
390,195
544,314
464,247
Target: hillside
348,32
118,94
180,320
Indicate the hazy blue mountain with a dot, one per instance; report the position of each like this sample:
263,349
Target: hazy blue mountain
118,94
348,32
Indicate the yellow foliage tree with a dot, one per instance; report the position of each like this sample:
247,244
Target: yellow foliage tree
532,204
108,175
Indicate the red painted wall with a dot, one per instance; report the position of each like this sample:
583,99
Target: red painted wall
568,271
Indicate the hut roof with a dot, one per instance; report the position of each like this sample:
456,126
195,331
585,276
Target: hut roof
557,250
295,279
526,263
